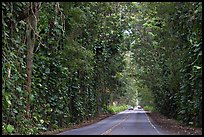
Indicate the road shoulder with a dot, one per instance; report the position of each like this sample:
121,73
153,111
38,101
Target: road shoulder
82,124
171,126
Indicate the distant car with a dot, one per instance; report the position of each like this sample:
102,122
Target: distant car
139,107
130,108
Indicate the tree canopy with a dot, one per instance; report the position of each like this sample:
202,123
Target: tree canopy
64,62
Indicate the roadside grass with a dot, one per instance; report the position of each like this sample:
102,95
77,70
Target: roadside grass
149,108
115,109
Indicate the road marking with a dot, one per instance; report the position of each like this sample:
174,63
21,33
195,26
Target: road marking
109,130
152,125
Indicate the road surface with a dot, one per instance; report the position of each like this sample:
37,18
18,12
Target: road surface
128,122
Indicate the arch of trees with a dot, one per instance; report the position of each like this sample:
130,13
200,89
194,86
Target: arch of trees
63,62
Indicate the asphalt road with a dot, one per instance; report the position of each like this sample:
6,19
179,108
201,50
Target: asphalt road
128,122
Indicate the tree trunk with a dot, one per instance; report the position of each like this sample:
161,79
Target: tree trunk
30,37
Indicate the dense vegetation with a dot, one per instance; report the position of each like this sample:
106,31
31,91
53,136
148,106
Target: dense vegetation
66,62
168,51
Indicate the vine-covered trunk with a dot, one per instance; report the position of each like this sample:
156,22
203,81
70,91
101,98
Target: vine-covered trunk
30,37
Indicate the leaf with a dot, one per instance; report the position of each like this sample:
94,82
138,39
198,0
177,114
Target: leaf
196,50
35,117
22,22
15,111
9,128
32,99
200,53
197,67
39,84
8,100
47,70
18,89
41,121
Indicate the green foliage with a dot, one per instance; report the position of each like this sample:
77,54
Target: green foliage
71,80
89,55
9,128
148,108
171,58
117,108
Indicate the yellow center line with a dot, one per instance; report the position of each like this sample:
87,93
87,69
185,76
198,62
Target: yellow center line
109,130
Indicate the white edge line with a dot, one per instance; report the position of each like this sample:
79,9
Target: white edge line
152,124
